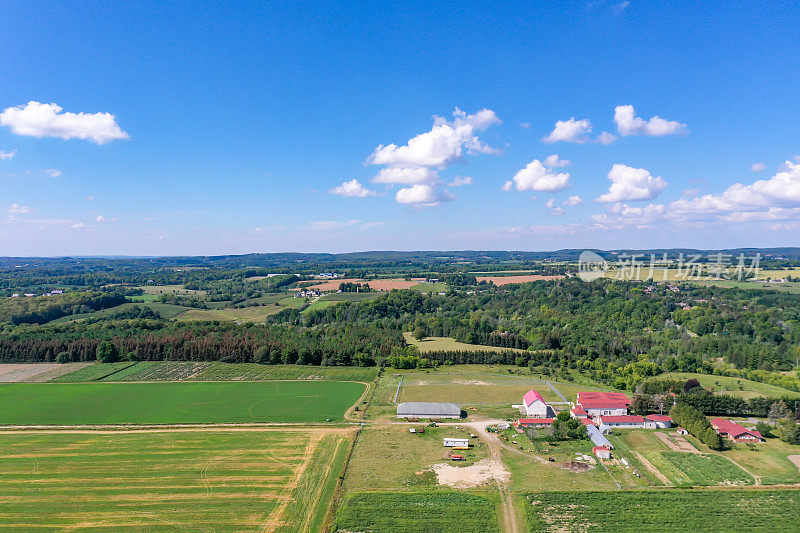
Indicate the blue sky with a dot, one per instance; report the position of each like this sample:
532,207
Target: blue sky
232,129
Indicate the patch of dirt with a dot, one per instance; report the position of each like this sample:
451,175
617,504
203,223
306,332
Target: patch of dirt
576,466
676,443
470,382
794,459
463,477
653,470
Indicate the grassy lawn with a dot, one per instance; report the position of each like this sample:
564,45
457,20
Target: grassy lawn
433,512
469,389
155,480
430,287
319,304
674,510
350,296
175,403
171,289
391,458
743,388
434,344
165,310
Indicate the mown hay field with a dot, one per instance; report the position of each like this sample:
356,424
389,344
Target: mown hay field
248,480
175,403
469,389
447,344
433,512
673,510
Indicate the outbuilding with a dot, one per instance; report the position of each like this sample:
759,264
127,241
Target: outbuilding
625,421
434,410
453,442
657,422
602,452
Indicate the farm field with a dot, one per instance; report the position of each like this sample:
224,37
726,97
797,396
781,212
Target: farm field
171,289
175,403
391,458
651,510
318,305
94,372
744,388
430,287
217,371
506,280
383,284
35,372
249,480
434,344
430,512
349,296
790,288
255,313
469,389
679,467
165,310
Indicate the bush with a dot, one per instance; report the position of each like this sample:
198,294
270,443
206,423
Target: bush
63,357
107,352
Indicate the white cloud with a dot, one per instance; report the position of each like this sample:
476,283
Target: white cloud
17,209
47,120
606,138
628,183
53,172
101,219
553,161
572,131
406,175
536,177
557,211
757,167
4,155
89,198
445,143
550,204
78,226
573,201
352,189
423,195
629,124
460,181
419,161
524,125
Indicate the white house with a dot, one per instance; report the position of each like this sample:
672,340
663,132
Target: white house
534,404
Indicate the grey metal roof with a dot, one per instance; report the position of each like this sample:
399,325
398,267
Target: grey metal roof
598,438
429,408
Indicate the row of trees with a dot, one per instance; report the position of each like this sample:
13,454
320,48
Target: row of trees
696,423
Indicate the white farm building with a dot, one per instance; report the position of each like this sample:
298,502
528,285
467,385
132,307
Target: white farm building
534,404
428,410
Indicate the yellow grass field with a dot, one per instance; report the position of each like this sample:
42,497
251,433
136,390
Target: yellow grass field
244,314
244,480
434,344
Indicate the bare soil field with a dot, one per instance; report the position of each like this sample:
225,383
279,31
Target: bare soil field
462,477
35,372
506,280
676,442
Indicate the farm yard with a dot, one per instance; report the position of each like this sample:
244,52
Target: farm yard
649,510
175,403
244,480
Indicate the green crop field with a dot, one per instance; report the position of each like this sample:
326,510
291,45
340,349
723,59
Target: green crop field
161,480
175,403
93,372
434,344
256,372
350,296
433,512
741,387
674,510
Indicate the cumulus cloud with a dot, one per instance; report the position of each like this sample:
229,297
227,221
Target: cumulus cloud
553,161
628,183
571,131
419,161
5,155
100,219
53,172
47,120
573,201
423,195
17,209
460,181
78,226
557,211
757,167
352,189
629,124
536,177
606,138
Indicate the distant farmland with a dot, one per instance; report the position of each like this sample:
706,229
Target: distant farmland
175,403
506,280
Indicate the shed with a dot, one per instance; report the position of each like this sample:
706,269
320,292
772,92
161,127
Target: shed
455,442
428,410
602,452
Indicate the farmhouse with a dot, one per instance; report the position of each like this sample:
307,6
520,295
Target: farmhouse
657,422
735,432
623,421
534,404
428,410
602,452
598,403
